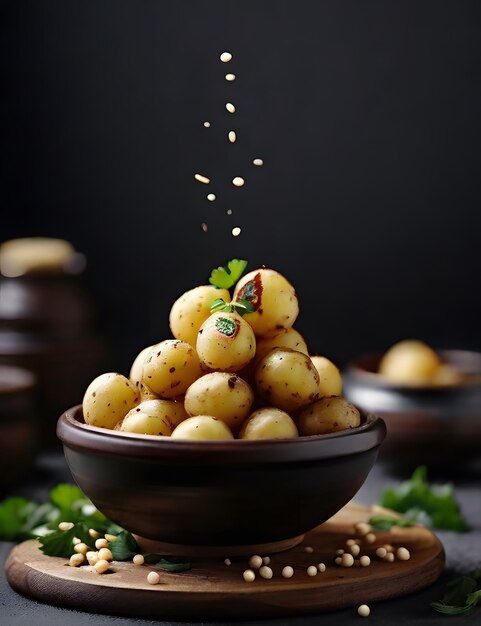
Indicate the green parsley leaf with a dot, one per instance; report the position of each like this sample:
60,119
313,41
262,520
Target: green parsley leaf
167,563
225,278
60,542
425,503
386,522
124,548
14,514
460,597
239,306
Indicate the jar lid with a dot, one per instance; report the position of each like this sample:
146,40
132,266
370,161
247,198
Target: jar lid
33,255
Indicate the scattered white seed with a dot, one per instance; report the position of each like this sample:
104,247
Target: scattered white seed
225,57
362,528
388,547
339,552
229,211
266,560
232,136
365,561
94,533
101,566
76,541
355,549
312,570
266,572
153,578
81,548
347,560
238,181
138,559
105,554
370,538
309,549
110,537
76,560
321,567
258,162
204,227
236,231
202,179
363,610
287,571
227,562
389,557
65,525
211,197
255,561
207,124
381,552
230,107
230,77
101,543
403,554
249,576
338,560
92,557
351,542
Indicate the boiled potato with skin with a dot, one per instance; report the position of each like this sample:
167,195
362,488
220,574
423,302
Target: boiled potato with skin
328,415
286,338
410,362
108,398
138,365
330,380
146,393
287,379
202,428
222,395
170,368
269,423
273,298
226,342
190,311
149,418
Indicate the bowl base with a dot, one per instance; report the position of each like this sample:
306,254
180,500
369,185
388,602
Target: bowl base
161,547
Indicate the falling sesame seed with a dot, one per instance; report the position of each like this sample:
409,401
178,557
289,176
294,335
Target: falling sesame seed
229,211
202,179
238,181
236,231
207,124
258,162
204,227
211,197
225,57
230,107
232,136
230,77
309,549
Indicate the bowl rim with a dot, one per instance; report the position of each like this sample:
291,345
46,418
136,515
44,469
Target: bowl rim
77,435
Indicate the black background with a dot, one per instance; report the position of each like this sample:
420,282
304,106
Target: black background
367,115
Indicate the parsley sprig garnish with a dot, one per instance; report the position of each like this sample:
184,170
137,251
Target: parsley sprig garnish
226,277
462,596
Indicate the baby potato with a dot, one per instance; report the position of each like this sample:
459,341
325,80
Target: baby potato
274,300
190,311
138,365
226,342
286,338
108,398
328,415
222,395
149,418
287,379
170,368
202,428
330,381
269,423
410,362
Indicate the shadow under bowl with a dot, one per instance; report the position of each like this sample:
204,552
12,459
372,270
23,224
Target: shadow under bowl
218,493
435,425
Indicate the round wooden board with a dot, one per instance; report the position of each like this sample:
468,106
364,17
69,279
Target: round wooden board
212,590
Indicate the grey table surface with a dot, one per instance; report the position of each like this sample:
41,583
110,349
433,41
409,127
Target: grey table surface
463,554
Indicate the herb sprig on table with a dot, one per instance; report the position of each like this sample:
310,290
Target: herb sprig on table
462,596
22,519
433,506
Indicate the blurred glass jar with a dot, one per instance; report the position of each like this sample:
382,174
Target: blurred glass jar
48,323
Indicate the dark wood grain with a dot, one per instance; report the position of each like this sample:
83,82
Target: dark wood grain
212,590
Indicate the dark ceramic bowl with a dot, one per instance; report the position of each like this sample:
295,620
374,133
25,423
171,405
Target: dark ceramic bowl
218,493
436,426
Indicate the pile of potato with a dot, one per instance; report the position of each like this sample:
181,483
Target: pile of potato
224,375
